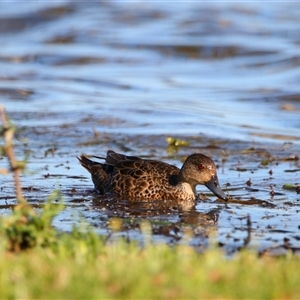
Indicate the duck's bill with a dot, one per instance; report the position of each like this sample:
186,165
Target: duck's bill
214,186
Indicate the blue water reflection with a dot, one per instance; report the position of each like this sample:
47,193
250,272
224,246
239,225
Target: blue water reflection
223,69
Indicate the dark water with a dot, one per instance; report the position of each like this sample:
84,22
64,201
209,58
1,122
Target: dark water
78,77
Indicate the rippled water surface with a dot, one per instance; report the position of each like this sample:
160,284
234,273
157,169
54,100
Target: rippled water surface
84,78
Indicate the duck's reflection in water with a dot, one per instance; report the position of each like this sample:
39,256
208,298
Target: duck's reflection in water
169,222
179,211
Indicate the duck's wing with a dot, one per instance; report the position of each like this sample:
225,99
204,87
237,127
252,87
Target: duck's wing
146,169
113,158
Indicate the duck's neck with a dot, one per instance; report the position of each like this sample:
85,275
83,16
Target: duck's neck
184,179
188,191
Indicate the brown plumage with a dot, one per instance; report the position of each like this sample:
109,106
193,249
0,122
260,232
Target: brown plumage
136,179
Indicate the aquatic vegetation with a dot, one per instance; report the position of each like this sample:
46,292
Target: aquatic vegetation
177,142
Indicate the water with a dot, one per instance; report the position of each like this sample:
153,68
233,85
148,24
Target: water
125,75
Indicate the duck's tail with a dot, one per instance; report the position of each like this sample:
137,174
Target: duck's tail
97,170
87,163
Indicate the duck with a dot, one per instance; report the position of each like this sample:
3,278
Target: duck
133,178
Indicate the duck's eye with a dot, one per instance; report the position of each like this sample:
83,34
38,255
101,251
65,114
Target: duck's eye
200,166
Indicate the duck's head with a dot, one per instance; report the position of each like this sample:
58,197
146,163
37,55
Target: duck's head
200,169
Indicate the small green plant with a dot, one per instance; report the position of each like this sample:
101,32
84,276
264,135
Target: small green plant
26,228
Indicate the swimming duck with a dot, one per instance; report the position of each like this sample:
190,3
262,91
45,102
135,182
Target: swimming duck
133,178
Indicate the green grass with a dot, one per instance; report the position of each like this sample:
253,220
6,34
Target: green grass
82,266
